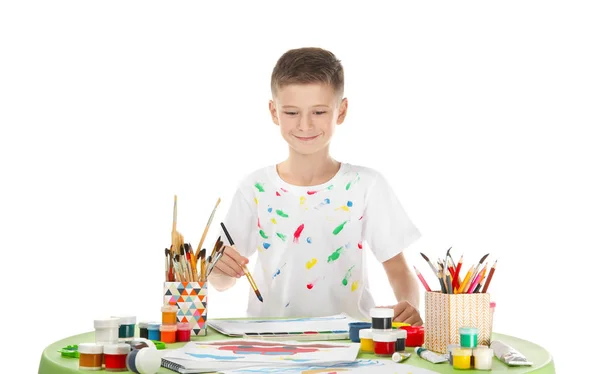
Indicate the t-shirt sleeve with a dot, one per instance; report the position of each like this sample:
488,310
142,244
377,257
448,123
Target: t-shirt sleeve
387,229
241,223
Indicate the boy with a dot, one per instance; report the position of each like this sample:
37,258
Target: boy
310,215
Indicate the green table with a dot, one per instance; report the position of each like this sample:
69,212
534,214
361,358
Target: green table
52,362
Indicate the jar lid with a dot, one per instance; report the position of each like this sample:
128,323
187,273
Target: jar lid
462,352
168,327
147,361
384,336
382,313
412,329
143,325
483,352
492,304
184,326
117,349
126,319
90,348
468,330
153,325
365,334
106,323
452,347
169,309
139,343
401,334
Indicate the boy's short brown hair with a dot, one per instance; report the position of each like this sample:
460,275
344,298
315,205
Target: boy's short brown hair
308,65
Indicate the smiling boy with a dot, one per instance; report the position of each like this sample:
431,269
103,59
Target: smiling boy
311,217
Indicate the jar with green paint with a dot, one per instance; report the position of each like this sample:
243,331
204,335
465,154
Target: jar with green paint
468,337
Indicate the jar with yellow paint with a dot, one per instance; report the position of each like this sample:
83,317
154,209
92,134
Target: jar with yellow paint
366,340
461,358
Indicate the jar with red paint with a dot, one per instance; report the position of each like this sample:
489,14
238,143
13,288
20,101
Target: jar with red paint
115,356
168,333
184,331
384,343
415,335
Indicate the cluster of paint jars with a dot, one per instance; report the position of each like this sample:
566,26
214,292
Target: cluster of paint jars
169,331
139,356
469,355
383,336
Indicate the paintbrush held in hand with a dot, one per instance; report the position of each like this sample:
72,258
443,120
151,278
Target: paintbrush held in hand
448,275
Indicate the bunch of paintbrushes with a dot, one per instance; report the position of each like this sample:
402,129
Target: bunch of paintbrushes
476,280
181,262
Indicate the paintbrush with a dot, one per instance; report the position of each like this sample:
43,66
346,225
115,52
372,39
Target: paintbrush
189,255
203,265
207,226
176,268
479,264
166,265
448,255
429,263
448,279
216,247
244,267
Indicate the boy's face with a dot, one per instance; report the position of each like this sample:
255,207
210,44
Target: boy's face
307,115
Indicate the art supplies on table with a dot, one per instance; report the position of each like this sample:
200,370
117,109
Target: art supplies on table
201,357
313,328
508,354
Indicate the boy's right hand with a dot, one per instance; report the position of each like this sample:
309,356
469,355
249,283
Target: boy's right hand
231,263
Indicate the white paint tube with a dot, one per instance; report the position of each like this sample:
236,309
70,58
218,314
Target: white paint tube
508,354
430,356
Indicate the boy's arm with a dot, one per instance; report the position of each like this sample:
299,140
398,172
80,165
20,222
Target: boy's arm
406,289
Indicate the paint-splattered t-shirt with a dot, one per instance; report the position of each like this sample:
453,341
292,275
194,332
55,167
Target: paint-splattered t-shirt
310,240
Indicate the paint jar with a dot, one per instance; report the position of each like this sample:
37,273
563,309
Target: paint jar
153,331
355,327
468,337
107,330
381,318
450,349
384,343
169,314
90,356
461,358
400,340
143,329
144,361
126,327
483,358
415,335
168,333
366,340
184,331
115,356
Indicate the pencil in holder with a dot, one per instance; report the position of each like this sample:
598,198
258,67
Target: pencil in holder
191,299
445,314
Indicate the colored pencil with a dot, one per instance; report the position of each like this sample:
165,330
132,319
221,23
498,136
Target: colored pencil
479,264
442,283
477,279
422,279
465,281
489,278
480,284
244,267
457,273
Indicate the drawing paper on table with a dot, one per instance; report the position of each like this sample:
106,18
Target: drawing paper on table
337,324
234,354
354,367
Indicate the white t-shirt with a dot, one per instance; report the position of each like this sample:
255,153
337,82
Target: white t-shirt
311,240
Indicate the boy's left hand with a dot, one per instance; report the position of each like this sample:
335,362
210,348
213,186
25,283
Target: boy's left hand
407,313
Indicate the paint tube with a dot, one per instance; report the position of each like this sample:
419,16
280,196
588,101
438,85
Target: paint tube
430,356
508,354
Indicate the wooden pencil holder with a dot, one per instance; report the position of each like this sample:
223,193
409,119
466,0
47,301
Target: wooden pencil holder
446,313
191,299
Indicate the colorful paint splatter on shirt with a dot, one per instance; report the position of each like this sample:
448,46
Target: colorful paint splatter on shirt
281,213
348,275
309,240
266,245
311,263
281,236
297,233
359,245
274,221
338,229
353,181
354,286
302,200
335,255
259,187
262,233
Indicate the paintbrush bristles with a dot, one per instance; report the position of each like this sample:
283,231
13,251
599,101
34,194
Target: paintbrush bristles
483,259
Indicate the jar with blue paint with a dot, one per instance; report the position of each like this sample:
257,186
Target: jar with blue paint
154,330
126,327
355,328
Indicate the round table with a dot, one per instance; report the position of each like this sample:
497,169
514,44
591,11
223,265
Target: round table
53,363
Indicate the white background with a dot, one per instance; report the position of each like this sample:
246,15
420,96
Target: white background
483,117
